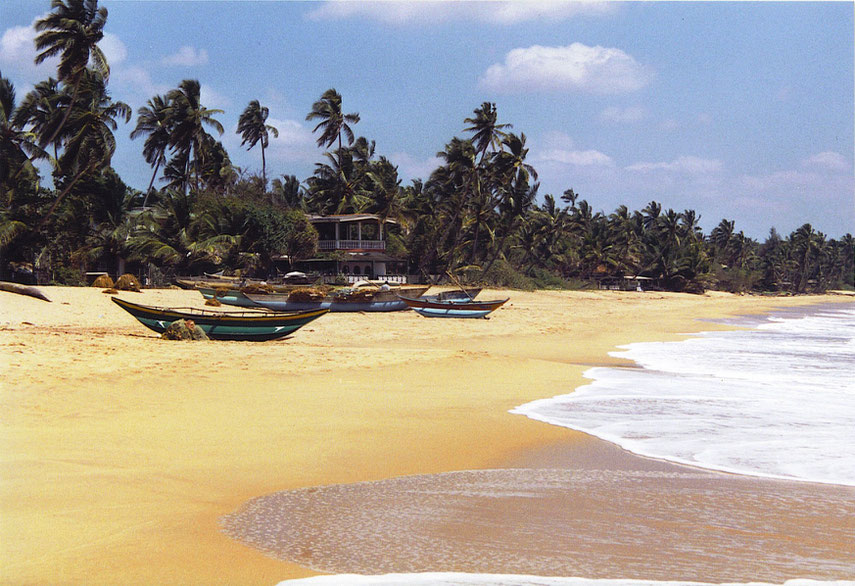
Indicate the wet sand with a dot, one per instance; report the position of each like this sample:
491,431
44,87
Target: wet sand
121,453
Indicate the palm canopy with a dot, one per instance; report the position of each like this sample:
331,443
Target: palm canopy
189,119
153,122
487,132
253,128
16,144
72,31
333,123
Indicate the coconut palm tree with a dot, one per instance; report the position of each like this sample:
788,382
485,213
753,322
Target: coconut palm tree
153,122
91,143
253,127
72,31
42,111
16,144
487,132
188,121
333,123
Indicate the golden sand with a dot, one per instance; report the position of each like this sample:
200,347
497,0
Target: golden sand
120,452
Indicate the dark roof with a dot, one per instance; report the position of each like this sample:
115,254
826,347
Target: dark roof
347,218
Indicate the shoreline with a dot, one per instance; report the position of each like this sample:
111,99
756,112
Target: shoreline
347,399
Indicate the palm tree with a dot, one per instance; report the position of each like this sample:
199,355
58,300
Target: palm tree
287,192
253,128
189,119
487,132
72,31
91,143
333,123
16,144
153,121
41,110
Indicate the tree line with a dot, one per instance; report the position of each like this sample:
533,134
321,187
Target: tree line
478,213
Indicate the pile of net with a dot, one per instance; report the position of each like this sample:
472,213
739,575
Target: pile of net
362,295
127,282
184,329
306,295
103,282
257,289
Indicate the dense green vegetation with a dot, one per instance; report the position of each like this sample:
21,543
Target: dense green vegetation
478,214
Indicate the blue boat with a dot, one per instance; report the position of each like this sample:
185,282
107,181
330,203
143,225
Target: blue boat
466,308
364,299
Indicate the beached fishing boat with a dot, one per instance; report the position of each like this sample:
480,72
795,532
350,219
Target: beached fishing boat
453,307
223,325
357,299
227,296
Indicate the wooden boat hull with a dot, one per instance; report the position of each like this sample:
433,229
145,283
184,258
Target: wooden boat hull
381,301
456,308
244,326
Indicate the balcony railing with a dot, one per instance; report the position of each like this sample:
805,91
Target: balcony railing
351,244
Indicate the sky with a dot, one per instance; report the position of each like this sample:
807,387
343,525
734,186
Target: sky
737,110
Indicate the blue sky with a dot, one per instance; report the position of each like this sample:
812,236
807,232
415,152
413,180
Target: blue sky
738,110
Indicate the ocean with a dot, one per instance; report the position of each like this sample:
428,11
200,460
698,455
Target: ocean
776,399
773,399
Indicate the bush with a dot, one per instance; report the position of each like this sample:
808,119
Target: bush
68,276
501,275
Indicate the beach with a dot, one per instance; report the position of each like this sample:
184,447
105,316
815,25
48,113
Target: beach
122,453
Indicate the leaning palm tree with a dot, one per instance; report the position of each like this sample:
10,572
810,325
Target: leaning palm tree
91,142
333,123
189,118
153,120
253,127
72,31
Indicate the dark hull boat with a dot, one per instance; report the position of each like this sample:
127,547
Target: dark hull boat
226,325
453,307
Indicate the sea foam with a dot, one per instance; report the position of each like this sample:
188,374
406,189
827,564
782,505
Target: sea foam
458,579
776,400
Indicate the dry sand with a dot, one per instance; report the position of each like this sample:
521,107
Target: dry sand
120,452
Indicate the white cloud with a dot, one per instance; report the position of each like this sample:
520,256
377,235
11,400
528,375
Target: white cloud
294,143
574,68
501,13
682,164
113,48
138,81
213,99
18,54
186,56
623,115
558,147
410,167
588,158
828,160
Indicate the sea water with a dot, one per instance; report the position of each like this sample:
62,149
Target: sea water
776,399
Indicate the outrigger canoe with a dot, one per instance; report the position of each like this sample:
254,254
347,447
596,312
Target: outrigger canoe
453,307
223,325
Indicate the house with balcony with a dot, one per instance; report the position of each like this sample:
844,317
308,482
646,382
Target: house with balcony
354,246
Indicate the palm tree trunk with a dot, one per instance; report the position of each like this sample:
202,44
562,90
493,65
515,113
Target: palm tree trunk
153,176
263,168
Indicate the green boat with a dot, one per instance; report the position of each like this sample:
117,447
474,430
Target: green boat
224,325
